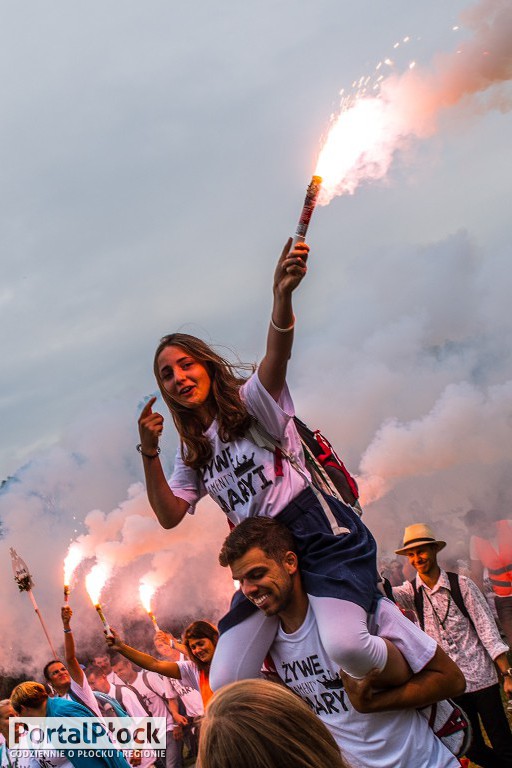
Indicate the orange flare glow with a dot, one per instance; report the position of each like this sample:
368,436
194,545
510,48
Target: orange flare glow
146,592
95,581
71,562
352,148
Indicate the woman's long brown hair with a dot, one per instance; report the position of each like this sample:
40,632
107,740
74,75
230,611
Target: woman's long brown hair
232,417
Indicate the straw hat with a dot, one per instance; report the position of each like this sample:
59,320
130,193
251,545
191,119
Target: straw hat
416,535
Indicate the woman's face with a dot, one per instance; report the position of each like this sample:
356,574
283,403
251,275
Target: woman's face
202,648
183,377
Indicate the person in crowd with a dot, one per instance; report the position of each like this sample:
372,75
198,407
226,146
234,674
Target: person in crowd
373,727
7,759
170,649
229,429
130,702
125,695
31,700
200,640
102,660
260,724
468,634
490,549
159,700
69,681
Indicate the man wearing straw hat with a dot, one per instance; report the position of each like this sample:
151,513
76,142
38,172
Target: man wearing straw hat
453,611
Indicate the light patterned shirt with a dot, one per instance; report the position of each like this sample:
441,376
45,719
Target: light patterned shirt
472,648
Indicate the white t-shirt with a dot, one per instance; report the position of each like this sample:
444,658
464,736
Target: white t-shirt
129,701
154,693
134,708
188,693
393,739
85,695
241,477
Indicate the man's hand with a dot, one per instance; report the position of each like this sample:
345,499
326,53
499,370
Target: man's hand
66,614
507,686
361,692
113,640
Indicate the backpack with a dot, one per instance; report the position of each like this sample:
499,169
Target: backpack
450,724
108,706
317,445
455,592
328,473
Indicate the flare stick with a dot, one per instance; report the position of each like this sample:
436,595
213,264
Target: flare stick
312,193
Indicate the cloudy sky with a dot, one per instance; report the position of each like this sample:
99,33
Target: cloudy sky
154,160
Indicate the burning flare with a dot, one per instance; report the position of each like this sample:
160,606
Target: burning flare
374,122
71,562
94,583
146,592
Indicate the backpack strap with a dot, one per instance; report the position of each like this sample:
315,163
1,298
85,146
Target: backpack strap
73,695
139,696
147,683
453,578
418,603
457,595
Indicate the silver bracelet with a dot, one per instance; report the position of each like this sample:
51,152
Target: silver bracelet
282,330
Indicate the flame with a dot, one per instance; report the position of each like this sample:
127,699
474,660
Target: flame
353,148
369,129
71,562
146,592
96,580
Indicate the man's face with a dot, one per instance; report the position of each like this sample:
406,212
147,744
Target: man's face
124,669
59,677
103,662
98,683
423,558
265,582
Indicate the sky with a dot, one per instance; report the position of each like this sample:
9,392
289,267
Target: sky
154,160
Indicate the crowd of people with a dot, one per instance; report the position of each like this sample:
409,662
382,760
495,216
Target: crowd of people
319,660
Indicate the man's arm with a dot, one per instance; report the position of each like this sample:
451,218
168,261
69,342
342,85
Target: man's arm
144,660
74,668
439,679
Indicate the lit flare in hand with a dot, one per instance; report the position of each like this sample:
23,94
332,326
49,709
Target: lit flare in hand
94,583
71,562
146,592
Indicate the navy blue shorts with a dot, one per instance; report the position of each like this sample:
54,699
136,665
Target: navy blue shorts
342,566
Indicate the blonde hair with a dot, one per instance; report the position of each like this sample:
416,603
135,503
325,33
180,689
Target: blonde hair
29,694
259,724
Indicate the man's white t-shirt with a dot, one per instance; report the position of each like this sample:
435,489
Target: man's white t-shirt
154,693
189,695
393,739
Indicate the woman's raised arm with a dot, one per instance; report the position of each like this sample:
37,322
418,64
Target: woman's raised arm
291,269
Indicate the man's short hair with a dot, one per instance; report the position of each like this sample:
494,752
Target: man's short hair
271,536
46,670
116,657
94,669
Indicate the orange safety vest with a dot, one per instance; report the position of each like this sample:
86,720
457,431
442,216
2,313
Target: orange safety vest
498,559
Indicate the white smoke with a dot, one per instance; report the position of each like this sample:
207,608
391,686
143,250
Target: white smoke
369,130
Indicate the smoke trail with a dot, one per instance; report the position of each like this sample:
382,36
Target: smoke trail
451,435
367,132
